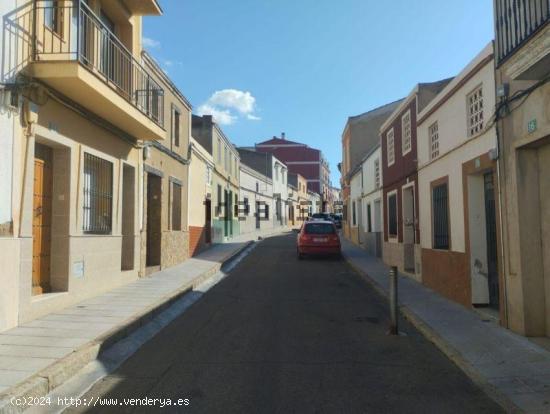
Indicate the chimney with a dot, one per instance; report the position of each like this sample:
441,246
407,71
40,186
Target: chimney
283,135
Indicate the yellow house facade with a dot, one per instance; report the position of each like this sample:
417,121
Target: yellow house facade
164,226
85,104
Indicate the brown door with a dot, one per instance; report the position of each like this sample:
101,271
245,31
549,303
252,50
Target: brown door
42,218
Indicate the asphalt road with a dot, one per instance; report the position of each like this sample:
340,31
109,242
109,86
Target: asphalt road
286,336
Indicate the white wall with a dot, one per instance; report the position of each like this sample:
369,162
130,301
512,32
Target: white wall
198,187
455,148
280,187
248,179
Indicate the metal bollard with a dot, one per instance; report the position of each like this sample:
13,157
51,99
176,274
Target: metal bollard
394,329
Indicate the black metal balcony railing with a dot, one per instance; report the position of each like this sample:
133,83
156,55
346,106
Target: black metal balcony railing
46,31
516,21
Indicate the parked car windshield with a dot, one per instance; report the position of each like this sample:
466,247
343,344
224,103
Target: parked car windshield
323,216
319,228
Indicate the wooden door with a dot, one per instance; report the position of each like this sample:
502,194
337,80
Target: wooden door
42,219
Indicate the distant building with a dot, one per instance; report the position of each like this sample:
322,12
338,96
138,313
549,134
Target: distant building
303,160
271,178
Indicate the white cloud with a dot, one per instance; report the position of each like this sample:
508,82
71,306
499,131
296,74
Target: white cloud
227,104
150,43
221,116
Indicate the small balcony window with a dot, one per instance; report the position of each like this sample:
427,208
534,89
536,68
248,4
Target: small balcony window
433,131
475,112
390,147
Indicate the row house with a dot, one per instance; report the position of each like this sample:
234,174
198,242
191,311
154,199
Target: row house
225,177
201,169
275,170
256,192
366,221
300,211
400,179
522,42
84,104
303,160
458,188
164,232
360,136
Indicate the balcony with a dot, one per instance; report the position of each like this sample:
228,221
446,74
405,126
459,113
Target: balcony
516,22
68,47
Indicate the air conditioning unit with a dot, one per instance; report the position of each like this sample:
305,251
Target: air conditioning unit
9,100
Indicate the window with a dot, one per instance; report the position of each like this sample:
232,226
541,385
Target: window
475,112
319,228
98,195
219,201
392,215
257,187
440,212
407,132
369,224
353,213
53,16
230,164
176,126
391,147
208,175
246,206
225,160
377,173
176,206
433,131
236,206
219,151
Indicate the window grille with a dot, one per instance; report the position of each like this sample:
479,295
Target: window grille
407,132
440,213
354,213
98,195
433,131
391,147
475,112
377,173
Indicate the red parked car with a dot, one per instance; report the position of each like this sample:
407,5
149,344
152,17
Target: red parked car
318,237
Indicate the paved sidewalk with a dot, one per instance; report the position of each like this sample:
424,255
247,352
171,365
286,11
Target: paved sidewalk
509,367
38,356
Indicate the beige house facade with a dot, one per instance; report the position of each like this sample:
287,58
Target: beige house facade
458,189
225,179
523,112
164,226
201,169
77,150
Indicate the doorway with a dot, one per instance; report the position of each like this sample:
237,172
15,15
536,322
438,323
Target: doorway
491,235
128,217
207,221
360,221
154,233
258,213
42,219
409,220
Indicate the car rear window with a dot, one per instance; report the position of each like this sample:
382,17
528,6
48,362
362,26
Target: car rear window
319,228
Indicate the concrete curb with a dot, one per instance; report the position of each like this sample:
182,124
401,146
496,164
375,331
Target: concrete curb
450,352
46,380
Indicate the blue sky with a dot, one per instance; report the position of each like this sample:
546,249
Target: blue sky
304,66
